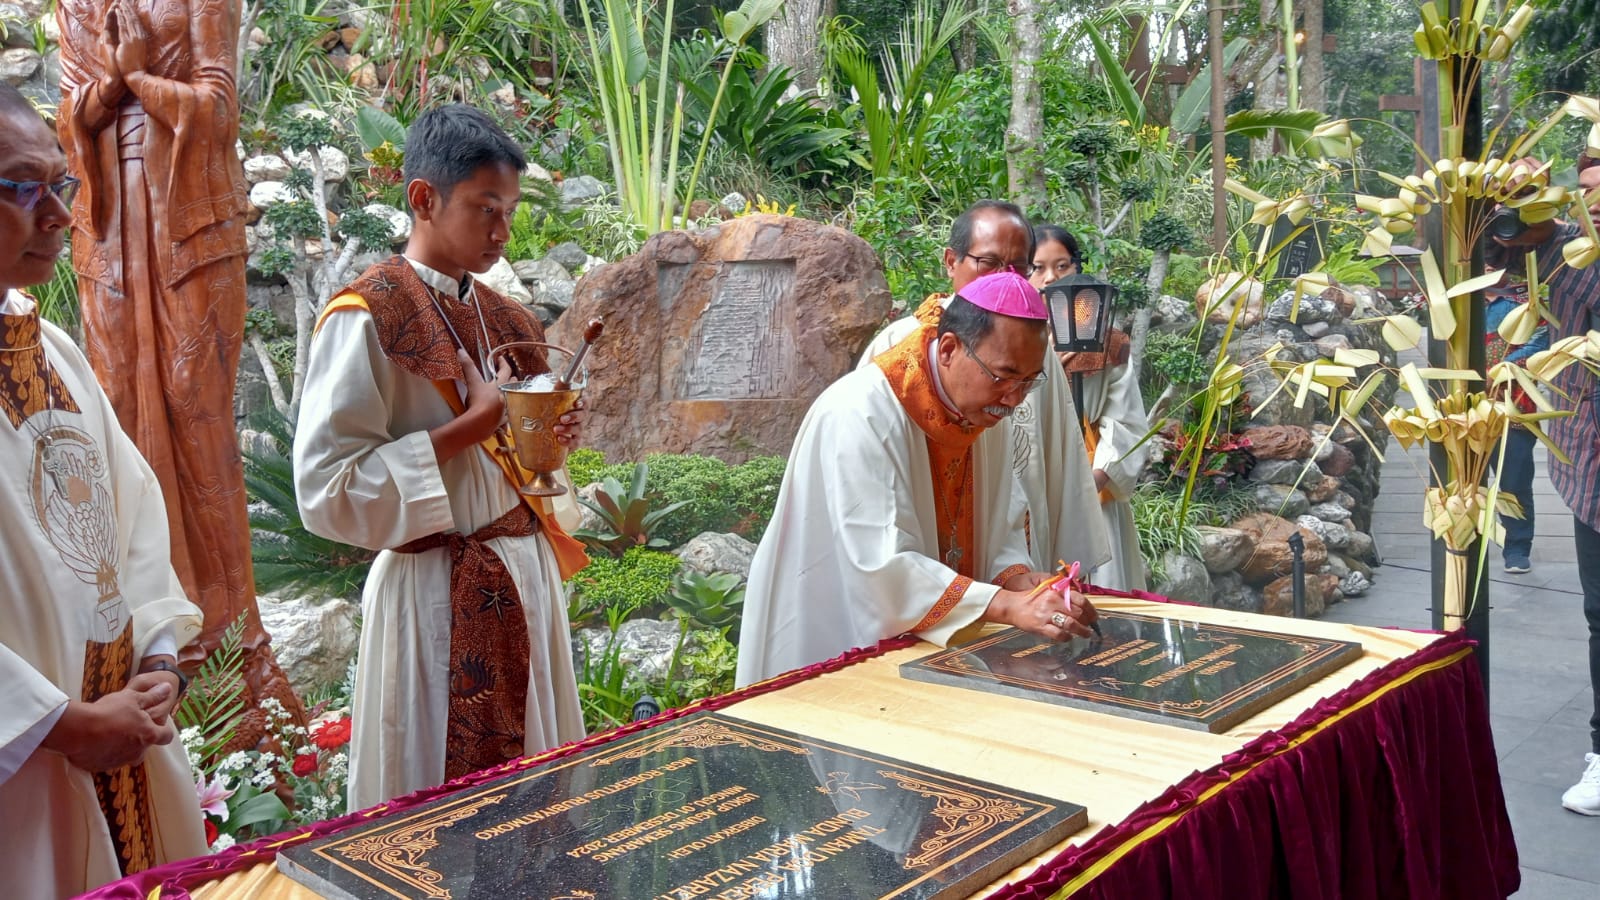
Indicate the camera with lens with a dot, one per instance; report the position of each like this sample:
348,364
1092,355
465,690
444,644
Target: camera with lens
1506,225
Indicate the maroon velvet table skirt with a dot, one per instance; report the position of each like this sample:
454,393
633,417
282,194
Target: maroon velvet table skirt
1389,788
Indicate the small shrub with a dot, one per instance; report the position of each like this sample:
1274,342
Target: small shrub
1185,274
1171,359
586,466
705,672
1157,515
709,601
639,580
625,514
715,496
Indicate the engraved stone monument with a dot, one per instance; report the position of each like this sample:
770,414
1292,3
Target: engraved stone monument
717,341
704,807
1191,674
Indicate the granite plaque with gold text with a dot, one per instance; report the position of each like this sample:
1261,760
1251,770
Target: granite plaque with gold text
1179,672
703,808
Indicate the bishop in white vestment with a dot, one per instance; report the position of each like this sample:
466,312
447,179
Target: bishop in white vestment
899,511
1046,450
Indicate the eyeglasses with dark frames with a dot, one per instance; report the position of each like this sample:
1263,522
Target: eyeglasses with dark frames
27,194
1026,385
991,264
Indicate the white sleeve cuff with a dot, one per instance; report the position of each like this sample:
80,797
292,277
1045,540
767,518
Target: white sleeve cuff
14,754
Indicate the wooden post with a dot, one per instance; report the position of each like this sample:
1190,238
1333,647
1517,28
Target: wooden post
1219,149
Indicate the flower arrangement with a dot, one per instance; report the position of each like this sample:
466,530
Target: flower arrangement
242,793
294,775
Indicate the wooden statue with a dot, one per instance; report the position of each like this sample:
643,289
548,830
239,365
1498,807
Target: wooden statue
149,118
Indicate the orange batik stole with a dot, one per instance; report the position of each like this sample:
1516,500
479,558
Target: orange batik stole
909,369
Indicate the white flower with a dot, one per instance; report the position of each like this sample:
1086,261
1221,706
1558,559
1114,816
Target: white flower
191,738
223,842
237,761
264,778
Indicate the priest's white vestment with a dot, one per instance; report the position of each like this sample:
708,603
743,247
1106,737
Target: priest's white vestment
86,551
852,553
1115,408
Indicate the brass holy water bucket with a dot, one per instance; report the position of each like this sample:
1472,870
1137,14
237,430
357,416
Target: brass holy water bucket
533,415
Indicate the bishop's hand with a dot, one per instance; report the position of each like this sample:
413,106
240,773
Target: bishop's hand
1048,613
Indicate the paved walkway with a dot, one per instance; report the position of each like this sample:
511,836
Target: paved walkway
1539,668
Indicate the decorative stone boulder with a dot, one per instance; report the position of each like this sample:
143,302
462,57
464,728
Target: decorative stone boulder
1281,500
1291,472
550,284
1277,598
313,640
1216,299
502,278
709,553
1278,442
575,192
1334,536
644,648
266,167
1229,591
1272,557
1185,579
719,340
1224,549
1306,310
569,255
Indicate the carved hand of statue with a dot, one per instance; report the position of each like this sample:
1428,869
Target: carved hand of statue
131,41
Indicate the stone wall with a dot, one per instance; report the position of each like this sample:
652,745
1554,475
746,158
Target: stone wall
1313,474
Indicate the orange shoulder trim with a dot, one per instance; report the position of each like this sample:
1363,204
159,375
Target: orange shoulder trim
341,302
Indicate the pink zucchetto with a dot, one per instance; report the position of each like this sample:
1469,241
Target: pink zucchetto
1006,293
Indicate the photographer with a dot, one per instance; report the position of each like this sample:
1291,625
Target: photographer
1574,301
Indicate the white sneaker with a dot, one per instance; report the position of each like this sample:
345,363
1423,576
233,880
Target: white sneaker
1583,798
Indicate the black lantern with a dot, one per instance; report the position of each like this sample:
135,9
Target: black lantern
1080,312
1080,317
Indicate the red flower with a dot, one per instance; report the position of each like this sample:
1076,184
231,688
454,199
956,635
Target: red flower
211,832
332,735
305,764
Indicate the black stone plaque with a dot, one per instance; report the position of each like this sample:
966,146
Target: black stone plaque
1179,672
703,808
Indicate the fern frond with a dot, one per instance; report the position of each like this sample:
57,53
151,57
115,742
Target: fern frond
215,698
